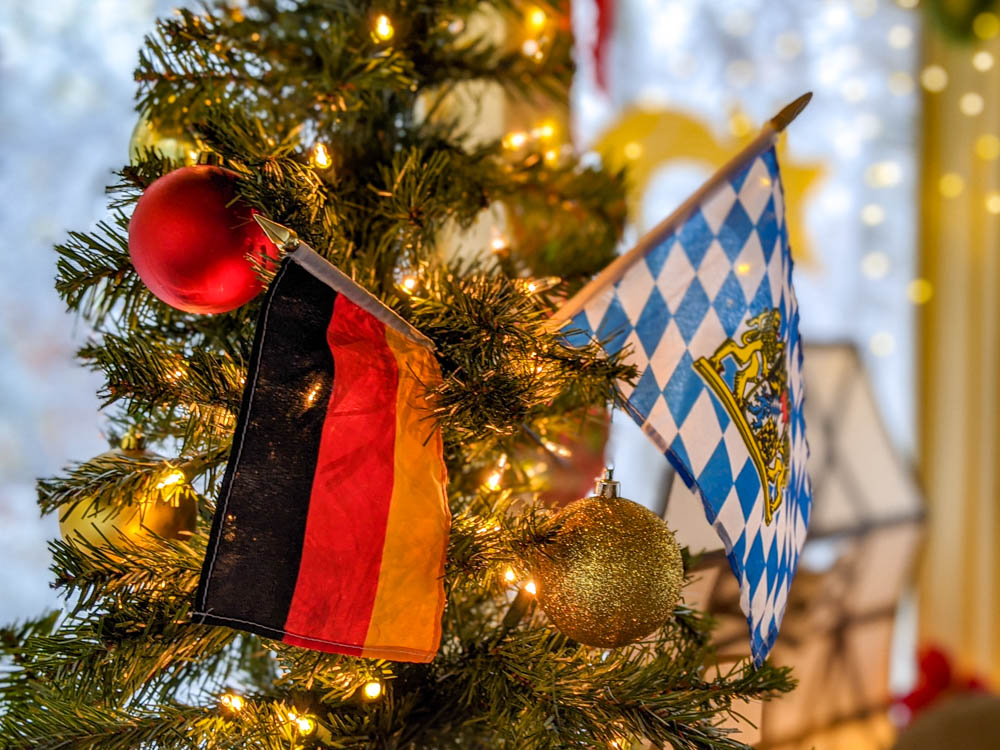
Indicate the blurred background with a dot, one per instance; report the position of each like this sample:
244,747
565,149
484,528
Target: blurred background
893,186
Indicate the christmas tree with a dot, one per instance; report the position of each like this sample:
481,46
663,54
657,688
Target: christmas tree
334,119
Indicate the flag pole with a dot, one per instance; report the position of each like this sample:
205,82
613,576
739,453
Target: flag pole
617,268
287,240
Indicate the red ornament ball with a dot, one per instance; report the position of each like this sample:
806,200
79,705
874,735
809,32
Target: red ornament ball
190,242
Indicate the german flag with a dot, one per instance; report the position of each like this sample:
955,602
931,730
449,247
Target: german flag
332,524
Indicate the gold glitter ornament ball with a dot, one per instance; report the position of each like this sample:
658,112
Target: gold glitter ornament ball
171,141
172,516
613,573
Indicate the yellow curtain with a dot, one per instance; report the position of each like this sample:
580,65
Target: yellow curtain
959,361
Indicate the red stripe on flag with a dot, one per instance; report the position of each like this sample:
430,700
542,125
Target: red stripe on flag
352,489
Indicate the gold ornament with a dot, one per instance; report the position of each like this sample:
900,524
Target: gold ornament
171,141
169,511
613,573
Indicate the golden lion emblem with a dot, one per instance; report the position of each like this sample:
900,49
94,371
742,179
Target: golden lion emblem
757,399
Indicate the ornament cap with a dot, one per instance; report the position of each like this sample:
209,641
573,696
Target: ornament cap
606,486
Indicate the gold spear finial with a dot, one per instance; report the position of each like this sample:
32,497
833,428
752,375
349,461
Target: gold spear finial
781,120
283,237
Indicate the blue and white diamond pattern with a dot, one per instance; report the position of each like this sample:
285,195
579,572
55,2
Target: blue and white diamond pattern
694,289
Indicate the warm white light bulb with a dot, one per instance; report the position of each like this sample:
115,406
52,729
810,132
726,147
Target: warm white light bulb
515,140
934,78
544,130
383,28
305,724
536,19
172,477
321,156
633,150
882,344
498,243
232,701
373,689
971,103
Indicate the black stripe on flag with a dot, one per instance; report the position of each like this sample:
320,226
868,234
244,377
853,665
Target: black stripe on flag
255,546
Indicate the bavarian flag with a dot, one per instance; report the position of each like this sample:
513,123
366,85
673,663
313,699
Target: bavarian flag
332,524
705,309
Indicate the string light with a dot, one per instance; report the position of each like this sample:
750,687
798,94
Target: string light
986,25
971,104
544,130
934,78
493,480
920,291
305,724
321,156
633,150
509,575
515,140
900,36
551,156
982,61
536,19
531,47
559,450
882,344
232,701
409,283
993,202
875,264
873,214
531,286
884,174
383,29
313,393
372,690
951,185
498,242
987,147
172,477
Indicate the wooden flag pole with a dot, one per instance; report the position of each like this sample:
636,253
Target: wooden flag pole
617,268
